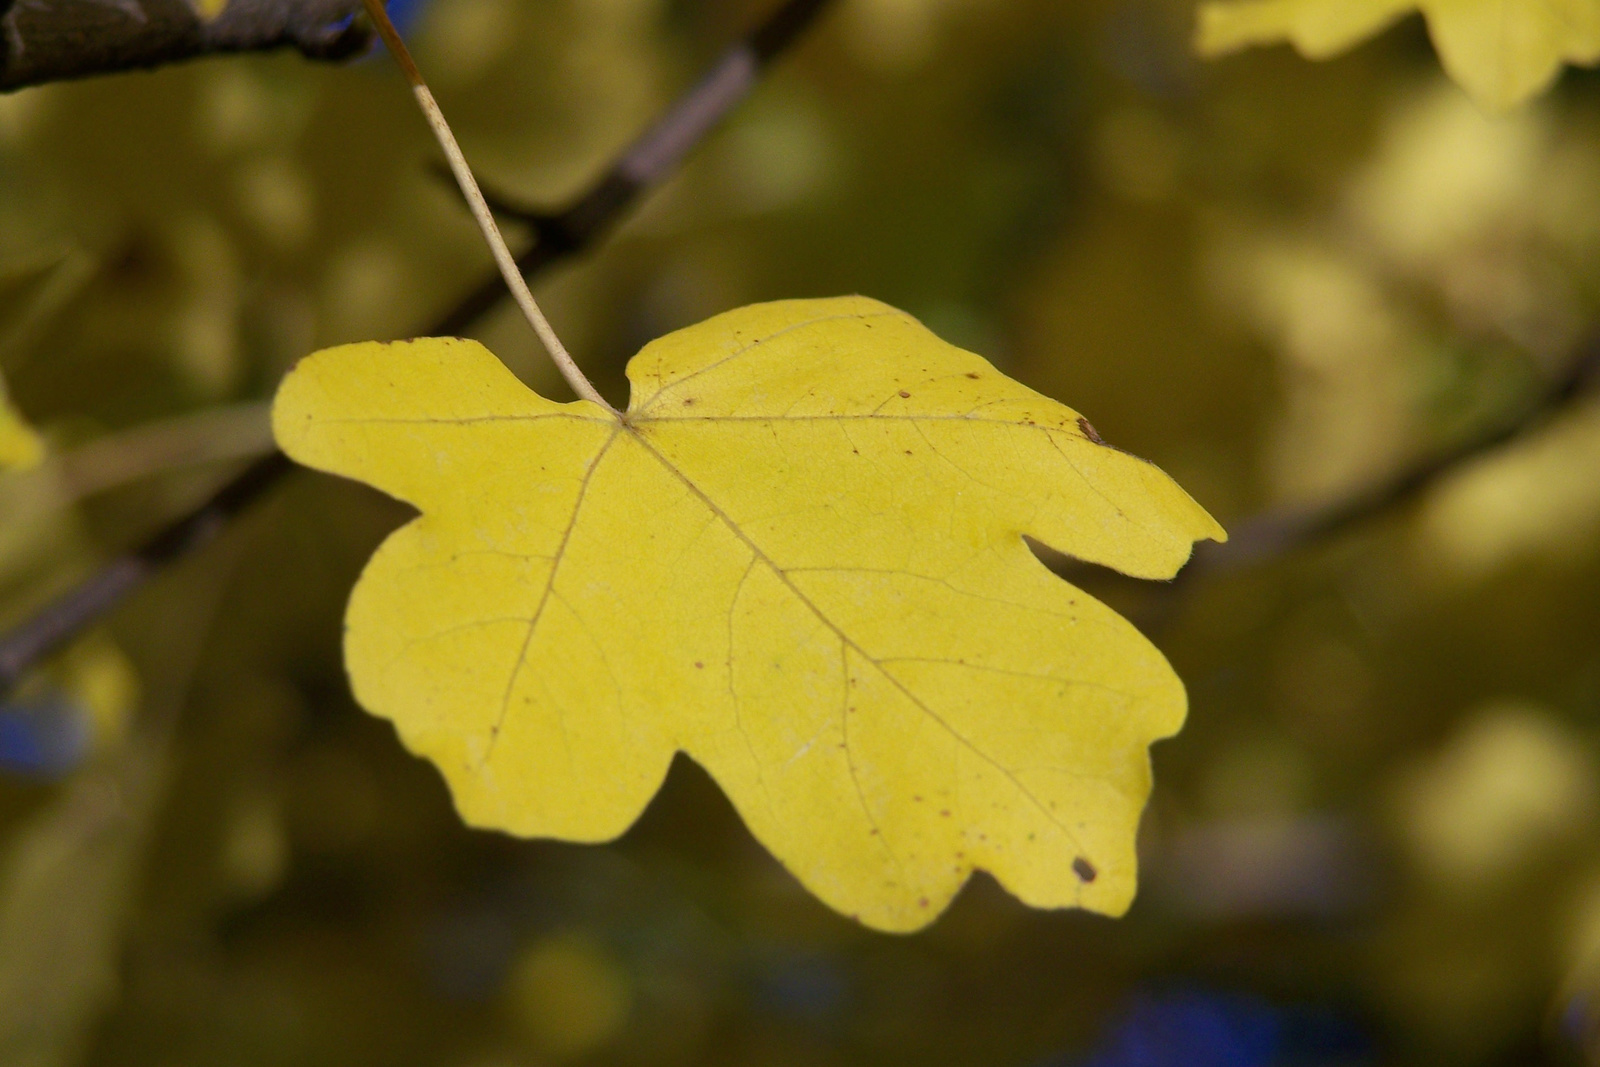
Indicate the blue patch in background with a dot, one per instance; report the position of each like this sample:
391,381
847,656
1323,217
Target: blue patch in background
43,737
1202,1028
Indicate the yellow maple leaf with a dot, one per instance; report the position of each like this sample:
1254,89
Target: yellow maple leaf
797,557
1501,51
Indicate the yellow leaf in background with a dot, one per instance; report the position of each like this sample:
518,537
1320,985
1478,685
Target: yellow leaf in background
569,994
799,558
1501,51
20,446
101,679
69,872
210,9
70,867
1318,28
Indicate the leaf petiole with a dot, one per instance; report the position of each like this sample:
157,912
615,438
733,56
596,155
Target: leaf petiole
480,210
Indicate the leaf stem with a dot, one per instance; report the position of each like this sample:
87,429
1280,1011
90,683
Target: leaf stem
480,210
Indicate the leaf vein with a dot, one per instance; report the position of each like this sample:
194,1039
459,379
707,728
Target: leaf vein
822,617
544,598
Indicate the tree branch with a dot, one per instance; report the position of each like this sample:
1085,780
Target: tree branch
1276,533
50,40
644,164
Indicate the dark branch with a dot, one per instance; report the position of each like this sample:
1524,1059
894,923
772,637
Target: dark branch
1276,533
68,614
644,164
50,40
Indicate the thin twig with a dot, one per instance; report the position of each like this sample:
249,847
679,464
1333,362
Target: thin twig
648,160
209,436
589,217
480,210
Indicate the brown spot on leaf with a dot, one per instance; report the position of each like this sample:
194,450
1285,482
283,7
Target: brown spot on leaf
972,374
1089,431
922,902
1084,869
905,394
699,666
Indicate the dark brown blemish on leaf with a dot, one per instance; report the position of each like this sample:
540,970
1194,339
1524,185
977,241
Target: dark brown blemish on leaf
1084,869
1089,431
699,666
905,394
972,374
945,812
687,401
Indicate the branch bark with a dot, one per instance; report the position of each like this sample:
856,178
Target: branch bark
557,236
1277,533
51,40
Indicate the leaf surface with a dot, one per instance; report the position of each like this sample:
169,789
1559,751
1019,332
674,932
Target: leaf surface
1501,51
800,560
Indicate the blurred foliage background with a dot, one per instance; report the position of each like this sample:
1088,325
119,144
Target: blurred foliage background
1375,840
